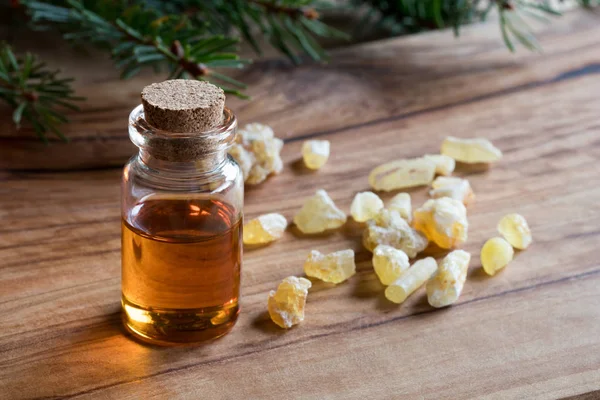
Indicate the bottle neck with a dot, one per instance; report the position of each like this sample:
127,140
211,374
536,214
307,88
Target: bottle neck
189,154
205,164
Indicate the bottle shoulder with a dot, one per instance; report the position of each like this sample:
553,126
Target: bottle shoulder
225,175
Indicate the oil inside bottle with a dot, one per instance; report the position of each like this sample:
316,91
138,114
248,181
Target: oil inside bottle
181,269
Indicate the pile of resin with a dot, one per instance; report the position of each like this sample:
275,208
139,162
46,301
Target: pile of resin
395,233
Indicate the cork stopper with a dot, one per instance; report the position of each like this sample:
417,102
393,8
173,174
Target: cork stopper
183,106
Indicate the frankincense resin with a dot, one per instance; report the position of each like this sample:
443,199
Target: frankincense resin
264,229
315,153
496,253
514,228
257,152
334,267
445,287
444,165
318,214
404,173
389,263
401,203
411,280
286,304
365,206
389,228
443,221
453,187
477,150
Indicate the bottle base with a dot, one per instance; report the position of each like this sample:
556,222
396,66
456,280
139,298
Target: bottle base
172,327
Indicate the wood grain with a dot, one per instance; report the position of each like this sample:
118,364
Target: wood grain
530,332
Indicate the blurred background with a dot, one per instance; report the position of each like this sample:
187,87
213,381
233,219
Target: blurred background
70,71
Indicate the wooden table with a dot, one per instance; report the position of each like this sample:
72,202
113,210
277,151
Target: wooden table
532,331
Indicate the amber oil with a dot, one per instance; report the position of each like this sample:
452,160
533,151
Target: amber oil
181,263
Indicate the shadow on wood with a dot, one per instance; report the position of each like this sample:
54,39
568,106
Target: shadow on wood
298,167
366,285
263,323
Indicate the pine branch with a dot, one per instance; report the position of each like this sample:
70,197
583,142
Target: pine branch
411,16
513,25
290,25
141,37
191,38
36,94
294,12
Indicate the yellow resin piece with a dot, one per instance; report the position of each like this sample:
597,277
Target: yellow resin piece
264,229
515,230
257,151
444,165
389,228
365,206
455,188
401,203
411,280
268,160
443,221
389,263
286,305
315,153
244,158
402,174
496,253
255,131
318,214
476,150
335,267
446,285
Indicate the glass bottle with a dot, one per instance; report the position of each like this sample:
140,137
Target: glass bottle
182,199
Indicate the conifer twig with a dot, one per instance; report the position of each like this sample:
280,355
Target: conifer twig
35,93
142,37
410,16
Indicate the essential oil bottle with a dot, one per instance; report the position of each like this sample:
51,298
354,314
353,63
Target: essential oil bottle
182,199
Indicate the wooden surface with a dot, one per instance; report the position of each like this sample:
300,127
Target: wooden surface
532,331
